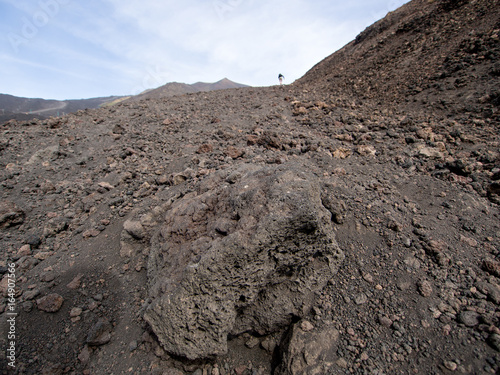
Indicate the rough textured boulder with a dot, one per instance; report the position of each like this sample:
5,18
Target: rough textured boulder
245,252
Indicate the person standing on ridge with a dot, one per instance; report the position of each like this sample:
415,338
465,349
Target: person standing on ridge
281,77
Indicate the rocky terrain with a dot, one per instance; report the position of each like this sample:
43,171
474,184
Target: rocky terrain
348,223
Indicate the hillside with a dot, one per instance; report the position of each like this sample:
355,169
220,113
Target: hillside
345,224
439,56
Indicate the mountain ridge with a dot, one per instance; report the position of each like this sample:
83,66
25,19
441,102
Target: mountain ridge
177,88
14,107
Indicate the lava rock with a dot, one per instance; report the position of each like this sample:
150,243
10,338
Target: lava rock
100,333
278,249
50,303
10,214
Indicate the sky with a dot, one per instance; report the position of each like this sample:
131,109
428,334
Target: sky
71,49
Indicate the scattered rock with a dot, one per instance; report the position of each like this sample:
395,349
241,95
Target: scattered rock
100,333
76,282
10,214
234,153
55,226
205,148
134,228
425,288
492,266
50,303
252,342
84,356
308,352
46,155
469,318
75,312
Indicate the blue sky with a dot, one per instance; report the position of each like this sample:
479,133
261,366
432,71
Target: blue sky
70,49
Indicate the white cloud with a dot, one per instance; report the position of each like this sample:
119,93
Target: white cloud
126,46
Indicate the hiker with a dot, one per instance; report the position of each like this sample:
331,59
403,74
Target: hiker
281,77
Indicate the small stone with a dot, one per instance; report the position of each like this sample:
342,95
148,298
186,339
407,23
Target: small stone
368,278
395,226
342,363
133,345
34,241
425,324
469,318
252,342
76,282
494,341
50,303
234,153
25,250
425,288
341,153
47,277
84,355
106,185
135,229
205,148
31,294
360,299
75,311
43,255
91,233
55,226
100,333
437,246
469,241
10,214
306,326
385,321
450,365
446,329
366,150
492,267
431,153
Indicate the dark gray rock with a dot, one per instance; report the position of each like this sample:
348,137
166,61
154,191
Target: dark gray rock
276,250
100,333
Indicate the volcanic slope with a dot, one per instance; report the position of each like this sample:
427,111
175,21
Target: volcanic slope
411,189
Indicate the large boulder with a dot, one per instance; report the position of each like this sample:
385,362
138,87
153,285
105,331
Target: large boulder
246,251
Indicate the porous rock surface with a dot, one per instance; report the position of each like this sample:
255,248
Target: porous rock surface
245,252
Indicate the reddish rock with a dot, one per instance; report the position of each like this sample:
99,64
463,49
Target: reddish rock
492,267
50,303
234,152
205,148
76,282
